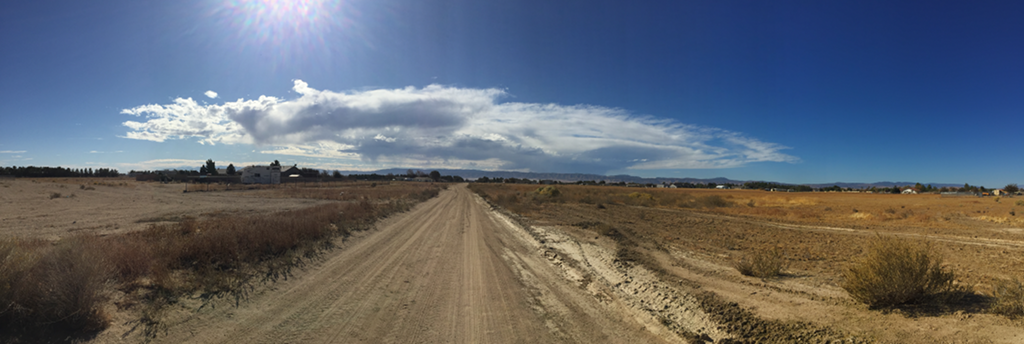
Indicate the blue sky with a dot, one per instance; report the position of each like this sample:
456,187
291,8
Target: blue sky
791,91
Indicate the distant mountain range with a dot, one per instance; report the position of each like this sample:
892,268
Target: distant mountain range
574,177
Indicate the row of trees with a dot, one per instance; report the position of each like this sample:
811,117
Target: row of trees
39,172
211,168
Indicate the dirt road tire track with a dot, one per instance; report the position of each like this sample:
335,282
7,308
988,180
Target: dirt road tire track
446,272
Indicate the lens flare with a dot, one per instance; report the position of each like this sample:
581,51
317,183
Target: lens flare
296,31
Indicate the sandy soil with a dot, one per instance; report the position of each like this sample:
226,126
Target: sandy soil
114,205
450,270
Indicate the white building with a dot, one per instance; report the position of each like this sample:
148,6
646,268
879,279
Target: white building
909,192
261,175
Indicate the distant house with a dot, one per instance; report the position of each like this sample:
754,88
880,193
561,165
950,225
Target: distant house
909,192
721,187
999,192
261,175
291,172
672,186
422,179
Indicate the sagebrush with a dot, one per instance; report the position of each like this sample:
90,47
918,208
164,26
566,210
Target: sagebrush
1008,298
763,264
897,272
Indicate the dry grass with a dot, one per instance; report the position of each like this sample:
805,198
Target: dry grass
896,272
525,198
763,264
62,286
57,287
1008,298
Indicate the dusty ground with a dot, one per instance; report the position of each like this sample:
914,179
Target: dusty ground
457,269
450,270
114,205
697,246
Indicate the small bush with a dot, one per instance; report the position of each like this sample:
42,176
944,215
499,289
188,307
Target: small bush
763,264
1020,202
1008,298
641,196
896,272
548,191
54,195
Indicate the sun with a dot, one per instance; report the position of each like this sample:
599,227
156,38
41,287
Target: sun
276,21
288,27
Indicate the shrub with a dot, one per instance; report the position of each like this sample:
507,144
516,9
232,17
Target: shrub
896,272
548,191
1008,298
1020,202
763,264
54,195
641,196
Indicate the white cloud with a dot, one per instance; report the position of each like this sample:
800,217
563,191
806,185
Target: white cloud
159,164
211,94
454,128
12,152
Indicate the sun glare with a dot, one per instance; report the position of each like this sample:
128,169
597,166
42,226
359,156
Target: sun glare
290,27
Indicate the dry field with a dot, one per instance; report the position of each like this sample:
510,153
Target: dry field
76,254
696,237
125,261
51,208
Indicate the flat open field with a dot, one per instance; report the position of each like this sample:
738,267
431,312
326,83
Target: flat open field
30,208
695,236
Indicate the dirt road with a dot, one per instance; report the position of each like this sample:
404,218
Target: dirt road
450,270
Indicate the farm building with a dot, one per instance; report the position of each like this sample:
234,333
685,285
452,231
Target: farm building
909,192
291,171
261,175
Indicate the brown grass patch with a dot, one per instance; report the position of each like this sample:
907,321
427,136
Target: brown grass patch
57,287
